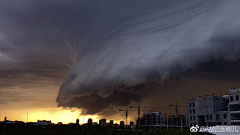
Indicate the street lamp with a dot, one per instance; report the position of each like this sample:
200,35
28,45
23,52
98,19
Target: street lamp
27,117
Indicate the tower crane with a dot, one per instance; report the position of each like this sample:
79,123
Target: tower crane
130,110
176,109
210,95
139,109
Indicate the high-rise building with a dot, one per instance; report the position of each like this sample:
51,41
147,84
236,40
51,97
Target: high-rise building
111,122
77,121
131,124
121,123
89,121
102,122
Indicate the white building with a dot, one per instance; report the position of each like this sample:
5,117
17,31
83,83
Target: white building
207,111
234,106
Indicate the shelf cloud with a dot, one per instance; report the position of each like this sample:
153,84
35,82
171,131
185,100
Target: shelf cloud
136,43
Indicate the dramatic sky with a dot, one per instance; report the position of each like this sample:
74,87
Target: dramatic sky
60,58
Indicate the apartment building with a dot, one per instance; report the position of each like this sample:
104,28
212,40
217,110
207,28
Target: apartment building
234,106
154,118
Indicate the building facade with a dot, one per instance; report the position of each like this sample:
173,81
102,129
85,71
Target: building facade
154,118
234,107
183,119
206,111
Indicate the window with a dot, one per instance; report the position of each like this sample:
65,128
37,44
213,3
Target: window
193,104
189,104
224,116
193,110
217,116
194,118
210,117
234,107
207,117
191,118
231,98
190,111
237,97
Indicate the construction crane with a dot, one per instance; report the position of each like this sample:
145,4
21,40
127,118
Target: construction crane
126,113
135,110
176,109
139,109
130,110
210,95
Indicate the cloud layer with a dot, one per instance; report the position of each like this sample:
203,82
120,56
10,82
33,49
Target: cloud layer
123,47
149,41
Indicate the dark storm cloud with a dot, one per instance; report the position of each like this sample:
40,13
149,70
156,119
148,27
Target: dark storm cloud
153,41
38,31
122,46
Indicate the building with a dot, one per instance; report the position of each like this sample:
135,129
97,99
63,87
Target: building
172,119
183,119
41,123
12,122
121,123
44,122
102,122
140,121
234,107
77,121
111,122
90,121
131,124
154,118
208,111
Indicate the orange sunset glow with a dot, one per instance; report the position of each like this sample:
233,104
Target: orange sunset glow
54,114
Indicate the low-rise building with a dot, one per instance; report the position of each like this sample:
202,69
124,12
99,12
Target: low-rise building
183,119
215,110
206,111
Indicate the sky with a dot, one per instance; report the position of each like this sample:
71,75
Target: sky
60,59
